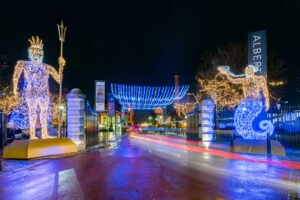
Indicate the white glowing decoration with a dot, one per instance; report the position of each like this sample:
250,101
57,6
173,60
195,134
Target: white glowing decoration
252,84
252,105
76,117
36,88
206,119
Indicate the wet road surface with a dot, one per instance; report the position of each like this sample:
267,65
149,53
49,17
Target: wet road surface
155,167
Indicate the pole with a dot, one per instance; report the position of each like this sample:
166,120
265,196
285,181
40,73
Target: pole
269,150
61,35
115,131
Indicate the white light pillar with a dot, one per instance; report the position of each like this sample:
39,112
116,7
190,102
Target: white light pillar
75,117
206,120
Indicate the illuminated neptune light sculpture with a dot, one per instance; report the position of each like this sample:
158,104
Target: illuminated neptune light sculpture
251,107
36,87
147,97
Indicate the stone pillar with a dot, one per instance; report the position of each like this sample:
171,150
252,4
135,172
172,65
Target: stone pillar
206,120
75,117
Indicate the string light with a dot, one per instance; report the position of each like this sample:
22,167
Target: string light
251,84
246,112
16,108
225,93
276,83
54,112
183,108
222,91
251,106
8,101
18,119
147,97
36,87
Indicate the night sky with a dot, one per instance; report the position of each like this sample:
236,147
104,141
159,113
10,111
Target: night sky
145,42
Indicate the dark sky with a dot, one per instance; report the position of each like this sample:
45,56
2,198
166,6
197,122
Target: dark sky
145,42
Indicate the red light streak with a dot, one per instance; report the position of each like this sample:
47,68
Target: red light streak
218,153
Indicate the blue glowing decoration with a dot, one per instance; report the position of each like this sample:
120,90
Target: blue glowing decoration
244,119
18,120
147,97
291,122
249,117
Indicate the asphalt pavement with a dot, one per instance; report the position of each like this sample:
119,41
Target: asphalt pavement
153,167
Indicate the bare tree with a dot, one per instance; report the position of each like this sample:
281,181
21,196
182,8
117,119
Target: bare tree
235,55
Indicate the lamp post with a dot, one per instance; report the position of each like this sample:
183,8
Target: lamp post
61,36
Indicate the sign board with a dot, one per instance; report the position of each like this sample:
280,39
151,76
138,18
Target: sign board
111,105
257,51
123,115
100,96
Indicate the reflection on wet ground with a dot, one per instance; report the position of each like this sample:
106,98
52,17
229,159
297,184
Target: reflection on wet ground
154,167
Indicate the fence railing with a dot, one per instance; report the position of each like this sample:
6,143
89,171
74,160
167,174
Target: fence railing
285,118
91,127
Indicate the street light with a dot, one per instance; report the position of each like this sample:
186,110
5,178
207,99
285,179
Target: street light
61,36
150,120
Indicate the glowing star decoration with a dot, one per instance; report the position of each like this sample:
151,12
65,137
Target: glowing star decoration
147,97
36,87
251,107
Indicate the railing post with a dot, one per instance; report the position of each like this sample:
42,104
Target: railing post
231,141
269,150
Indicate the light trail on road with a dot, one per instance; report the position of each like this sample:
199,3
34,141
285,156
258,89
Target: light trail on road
223,154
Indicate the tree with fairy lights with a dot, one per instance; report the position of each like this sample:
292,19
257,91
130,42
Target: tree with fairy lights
255,90
235,55
36,87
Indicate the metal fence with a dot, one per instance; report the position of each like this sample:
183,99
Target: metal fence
285,118
2,131
91,127
224,126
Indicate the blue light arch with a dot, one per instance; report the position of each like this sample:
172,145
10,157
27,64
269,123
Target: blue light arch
147,97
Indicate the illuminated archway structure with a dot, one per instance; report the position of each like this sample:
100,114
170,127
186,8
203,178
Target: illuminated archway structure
147,97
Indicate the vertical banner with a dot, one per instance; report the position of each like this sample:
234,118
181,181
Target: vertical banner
100,96
122,115
257,51
111,105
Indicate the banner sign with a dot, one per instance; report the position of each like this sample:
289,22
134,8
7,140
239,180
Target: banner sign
123,115
100,96
257,51
111,105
